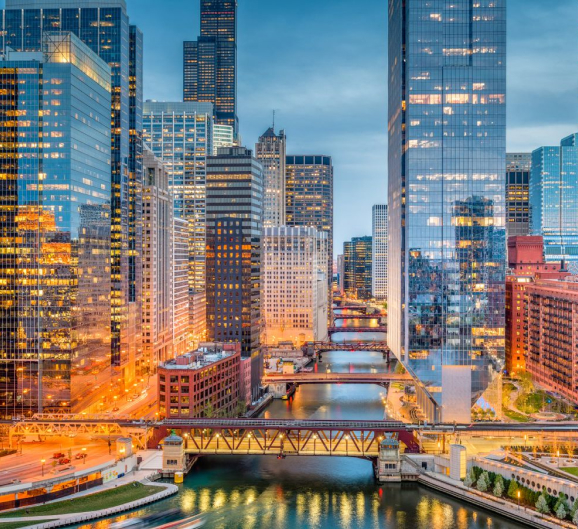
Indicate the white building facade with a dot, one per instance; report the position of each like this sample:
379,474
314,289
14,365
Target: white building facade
379,252
294,300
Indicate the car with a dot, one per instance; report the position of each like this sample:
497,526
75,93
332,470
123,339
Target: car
80,455
15,481
58,455
116,408
64,461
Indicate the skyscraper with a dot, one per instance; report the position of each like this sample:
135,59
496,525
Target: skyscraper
518,167
554,200
357,260
446,256
309,197
271,151
180,134
181,298
294,302
234,231
103,25
210,62
55,309
157,295
379,249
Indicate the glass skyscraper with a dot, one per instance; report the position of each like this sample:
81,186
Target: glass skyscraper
103,25
379,249
357,259
210,62
447,134
518,167
234,232
55,221
554,200
180,134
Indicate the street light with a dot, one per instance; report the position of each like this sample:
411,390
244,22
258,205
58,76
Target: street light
84,455
218,435
558,454
249,436
347,444
43,461
518,499
314,443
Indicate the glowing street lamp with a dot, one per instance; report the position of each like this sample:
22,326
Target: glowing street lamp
314,443
518,499
347,444
43,461
218,436
249,436
84,454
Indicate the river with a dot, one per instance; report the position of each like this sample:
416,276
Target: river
257,492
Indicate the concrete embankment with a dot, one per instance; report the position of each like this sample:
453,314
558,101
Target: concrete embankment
507,509
36,522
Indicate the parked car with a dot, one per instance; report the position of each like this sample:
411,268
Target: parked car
80,455
64,461
58,455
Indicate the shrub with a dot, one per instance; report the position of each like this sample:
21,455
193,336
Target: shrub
542,505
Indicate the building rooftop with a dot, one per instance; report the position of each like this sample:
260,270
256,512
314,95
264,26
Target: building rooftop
64,4
204,356
177,107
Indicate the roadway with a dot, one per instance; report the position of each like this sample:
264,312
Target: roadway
336,378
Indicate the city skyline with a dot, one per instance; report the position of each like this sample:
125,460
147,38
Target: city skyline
310,108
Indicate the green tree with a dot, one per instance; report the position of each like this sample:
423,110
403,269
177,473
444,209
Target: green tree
483,482
526,382
241,408
575,518
542,505
470,478
513,489
499,486
209,411
561,512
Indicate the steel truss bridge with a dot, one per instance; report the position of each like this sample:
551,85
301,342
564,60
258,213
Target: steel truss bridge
382,379
333,330
46,425
322,347
288,437
360,308
358,316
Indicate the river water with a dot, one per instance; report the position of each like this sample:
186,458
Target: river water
259,492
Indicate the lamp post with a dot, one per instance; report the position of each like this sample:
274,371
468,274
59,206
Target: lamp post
558,455
249,436
218,435
347,444
84,455
518,499
43,461
314,443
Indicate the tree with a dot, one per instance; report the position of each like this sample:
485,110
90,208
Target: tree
542,505
526,382
575,518
483,482
470,478
209,411
499,486
513,489
574,509
561,511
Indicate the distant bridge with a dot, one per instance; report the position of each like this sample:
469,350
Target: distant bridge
359,308
336,378
358,316
333,330
311,348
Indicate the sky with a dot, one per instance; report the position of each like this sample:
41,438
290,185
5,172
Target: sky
322,64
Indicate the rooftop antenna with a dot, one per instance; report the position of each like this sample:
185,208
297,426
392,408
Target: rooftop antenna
274,112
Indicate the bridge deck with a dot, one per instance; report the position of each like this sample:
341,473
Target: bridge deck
343,378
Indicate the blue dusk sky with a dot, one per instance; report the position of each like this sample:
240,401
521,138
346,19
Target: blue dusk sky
323,65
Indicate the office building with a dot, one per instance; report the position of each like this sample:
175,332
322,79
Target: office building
518,167
223,136
55,267
271,151
340,274
234,231
554,200
180,134
294,301
201,383
357,262
552,328
103,25
525,265
309,197
379,249
447,158
210,62
157,295
181,296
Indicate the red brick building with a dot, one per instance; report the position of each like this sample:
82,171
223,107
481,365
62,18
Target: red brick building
202,382
526,264
552,335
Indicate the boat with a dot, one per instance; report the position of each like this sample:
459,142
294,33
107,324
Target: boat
193,522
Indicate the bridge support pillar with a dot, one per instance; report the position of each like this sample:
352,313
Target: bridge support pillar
278,389
388,468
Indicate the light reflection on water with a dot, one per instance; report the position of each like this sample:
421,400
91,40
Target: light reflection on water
252,492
